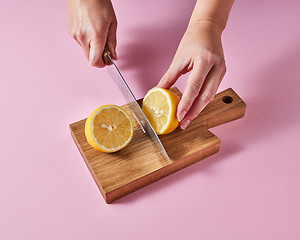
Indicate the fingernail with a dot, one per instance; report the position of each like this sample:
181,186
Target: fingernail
184,124
181,115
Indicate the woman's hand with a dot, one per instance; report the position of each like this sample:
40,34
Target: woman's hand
200,51
93,24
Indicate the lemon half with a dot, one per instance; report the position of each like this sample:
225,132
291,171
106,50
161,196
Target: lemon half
109,128
160,105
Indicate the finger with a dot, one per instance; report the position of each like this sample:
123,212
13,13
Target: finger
84,43
112,40
193,87
96,52
170,77
97,46
77,40
206,95
86,49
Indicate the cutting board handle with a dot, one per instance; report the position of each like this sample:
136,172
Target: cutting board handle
226,106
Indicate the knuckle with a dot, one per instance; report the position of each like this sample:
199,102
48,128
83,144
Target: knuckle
101,26
196,87
207,97
72,33
206,57
98,36
96,30
186,105
200,60
218,61
97,64
79,34
210,58
194,114
166,80
221,62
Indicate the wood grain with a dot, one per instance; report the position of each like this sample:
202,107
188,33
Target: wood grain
140,164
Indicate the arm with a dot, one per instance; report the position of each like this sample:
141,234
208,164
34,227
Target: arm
200,51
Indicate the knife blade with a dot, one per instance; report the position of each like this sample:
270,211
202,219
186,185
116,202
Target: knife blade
134,106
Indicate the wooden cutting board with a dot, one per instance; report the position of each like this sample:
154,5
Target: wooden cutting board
139,164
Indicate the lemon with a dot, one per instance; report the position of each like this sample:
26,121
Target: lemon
109,129
160,105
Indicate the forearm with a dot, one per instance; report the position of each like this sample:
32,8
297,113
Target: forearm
216,11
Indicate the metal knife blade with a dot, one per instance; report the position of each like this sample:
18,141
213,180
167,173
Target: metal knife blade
134,106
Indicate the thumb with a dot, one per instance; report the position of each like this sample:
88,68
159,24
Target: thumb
96,52
170,77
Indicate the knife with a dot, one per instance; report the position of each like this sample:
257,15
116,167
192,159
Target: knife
133,104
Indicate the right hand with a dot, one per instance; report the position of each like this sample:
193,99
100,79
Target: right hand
93,24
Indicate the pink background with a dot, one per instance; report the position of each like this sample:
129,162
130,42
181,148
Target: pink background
249,190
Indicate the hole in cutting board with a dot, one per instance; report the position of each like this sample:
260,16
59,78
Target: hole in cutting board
227,99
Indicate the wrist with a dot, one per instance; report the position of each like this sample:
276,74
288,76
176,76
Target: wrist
205,24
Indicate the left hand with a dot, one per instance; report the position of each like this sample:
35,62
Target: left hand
200,51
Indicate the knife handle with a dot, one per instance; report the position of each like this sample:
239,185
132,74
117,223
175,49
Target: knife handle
105,57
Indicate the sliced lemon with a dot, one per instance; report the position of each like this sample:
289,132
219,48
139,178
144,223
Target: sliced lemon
109,129
160,105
